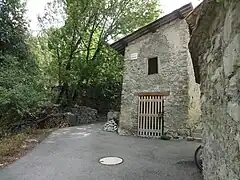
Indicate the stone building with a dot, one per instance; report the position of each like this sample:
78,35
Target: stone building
159,88
215,50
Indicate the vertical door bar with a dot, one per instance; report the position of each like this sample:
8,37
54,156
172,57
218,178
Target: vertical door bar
155,113
150,116
140,114
159,111
162,124
147,115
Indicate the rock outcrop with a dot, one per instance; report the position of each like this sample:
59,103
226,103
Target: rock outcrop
215,50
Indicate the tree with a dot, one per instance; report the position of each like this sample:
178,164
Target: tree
13,29
19,87
79,47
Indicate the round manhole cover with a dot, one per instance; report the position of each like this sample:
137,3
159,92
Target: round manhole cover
111,161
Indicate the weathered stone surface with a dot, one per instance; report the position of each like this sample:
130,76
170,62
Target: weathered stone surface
110,126
81,115
231,56
72,119
233,89
113,115
32,140
220,87
86,115
170,44
233,110
189,138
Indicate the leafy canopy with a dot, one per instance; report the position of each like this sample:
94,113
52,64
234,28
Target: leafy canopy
19,86
78,46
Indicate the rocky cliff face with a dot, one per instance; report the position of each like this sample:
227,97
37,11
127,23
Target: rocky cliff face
215,50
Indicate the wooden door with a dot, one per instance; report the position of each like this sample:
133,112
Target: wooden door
150,115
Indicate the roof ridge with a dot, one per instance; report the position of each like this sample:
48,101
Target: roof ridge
181,13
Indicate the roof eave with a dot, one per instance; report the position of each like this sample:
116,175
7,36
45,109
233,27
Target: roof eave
180,13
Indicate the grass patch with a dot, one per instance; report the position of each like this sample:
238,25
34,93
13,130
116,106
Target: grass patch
15,146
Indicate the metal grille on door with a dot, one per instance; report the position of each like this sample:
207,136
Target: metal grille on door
150,115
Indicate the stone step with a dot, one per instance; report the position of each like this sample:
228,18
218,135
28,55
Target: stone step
197,135
197,131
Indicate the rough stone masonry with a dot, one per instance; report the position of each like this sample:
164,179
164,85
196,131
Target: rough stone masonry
215,49
175,74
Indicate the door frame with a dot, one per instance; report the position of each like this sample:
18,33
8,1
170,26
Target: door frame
151,113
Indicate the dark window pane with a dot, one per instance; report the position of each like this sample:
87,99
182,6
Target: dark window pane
153,65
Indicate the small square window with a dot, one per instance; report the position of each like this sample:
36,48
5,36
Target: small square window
153,65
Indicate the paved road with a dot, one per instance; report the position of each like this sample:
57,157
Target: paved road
73,154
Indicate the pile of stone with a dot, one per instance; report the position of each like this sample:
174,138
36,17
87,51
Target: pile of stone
86,115
81,115
110,126
112,123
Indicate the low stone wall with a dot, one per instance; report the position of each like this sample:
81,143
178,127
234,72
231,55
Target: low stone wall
81,115
215,48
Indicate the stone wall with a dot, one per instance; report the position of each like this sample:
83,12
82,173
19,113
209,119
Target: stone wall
81,115
170,44
215,48
193,122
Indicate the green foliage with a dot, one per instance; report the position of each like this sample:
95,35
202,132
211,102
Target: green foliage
13,28
73,57
105,82
80,56
20,88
